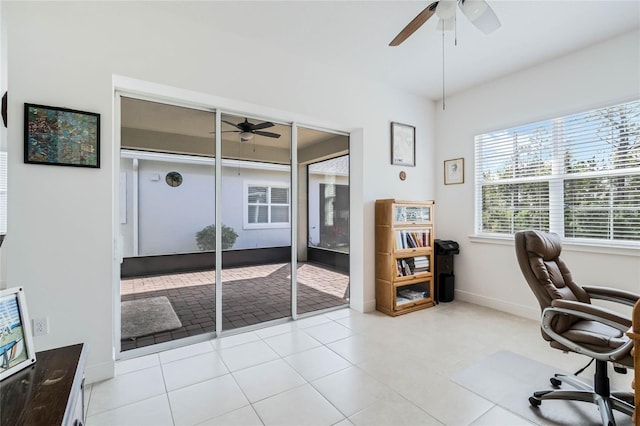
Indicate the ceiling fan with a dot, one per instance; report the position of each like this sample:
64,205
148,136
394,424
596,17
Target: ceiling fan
247,130
477,11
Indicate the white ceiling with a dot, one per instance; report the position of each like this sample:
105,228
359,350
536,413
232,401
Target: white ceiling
356,34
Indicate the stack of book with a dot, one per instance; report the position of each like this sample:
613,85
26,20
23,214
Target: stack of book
412,265
421,264
412,294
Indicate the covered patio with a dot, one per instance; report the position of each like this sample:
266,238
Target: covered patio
250,295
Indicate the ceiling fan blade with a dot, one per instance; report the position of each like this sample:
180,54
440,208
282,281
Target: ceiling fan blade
232,124
261,126
267,134
414,24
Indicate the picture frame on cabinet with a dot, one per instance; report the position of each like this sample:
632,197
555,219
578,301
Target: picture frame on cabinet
16,343
403,144
61,136
454,171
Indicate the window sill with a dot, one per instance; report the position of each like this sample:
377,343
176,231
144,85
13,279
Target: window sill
585,247
263,226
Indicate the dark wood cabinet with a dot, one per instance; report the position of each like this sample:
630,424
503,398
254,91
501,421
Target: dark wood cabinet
49,392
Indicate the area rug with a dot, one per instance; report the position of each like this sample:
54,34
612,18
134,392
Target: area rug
147,316
509,379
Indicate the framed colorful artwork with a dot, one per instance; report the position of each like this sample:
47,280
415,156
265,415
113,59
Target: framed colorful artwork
61,136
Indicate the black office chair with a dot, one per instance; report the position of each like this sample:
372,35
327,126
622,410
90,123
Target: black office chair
572,324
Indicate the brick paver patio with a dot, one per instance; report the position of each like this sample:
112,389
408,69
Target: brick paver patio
250,295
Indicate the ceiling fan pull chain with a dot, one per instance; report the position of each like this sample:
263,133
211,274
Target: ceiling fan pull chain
443,69
455,29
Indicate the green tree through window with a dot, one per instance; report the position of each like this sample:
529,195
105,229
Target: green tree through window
577,175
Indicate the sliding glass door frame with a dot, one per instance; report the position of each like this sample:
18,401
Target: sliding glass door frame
294,220
218,221
218,172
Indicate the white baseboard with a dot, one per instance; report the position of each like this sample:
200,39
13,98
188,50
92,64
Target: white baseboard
99,372
499,305
369,306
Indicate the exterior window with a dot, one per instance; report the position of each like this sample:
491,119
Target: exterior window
577,176
267,205
328,204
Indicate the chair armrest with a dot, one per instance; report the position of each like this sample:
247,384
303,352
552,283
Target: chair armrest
596,313
588,312
612,294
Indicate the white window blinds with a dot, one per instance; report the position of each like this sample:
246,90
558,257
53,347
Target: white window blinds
267,204
578,176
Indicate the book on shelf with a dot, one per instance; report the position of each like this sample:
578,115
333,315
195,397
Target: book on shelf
405,266
409,239
412,294
399,240
421,264
412,265
402,301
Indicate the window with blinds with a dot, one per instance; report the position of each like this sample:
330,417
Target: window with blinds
267,204
578,176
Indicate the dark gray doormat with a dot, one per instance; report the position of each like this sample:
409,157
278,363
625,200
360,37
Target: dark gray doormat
147,316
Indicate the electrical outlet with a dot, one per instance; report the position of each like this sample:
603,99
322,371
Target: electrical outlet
40,326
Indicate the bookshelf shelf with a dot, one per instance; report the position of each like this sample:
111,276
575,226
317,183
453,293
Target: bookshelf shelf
404,256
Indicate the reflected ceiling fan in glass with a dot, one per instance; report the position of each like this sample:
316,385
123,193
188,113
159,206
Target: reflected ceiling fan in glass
247,130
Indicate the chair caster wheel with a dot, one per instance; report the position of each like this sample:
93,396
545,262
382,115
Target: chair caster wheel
535,402
555,382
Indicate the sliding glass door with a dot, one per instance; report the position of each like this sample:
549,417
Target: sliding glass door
167,211
323,220
272,218
256,216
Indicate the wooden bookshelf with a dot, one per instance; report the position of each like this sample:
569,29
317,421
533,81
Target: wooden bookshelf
404,256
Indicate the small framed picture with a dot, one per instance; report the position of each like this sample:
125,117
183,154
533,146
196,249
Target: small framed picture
403,144
16,344
61,136
454,171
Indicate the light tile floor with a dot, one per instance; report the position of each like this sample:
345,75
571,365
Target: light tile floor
339,368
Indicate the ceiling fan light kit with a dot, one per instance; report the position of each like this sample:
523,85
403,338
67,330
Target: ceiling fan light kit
481,15
478,12
473,9
445,24
246,136
446,9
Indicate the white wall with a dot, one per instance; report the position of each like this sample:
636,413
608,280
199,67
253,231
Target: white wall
62,220
487,272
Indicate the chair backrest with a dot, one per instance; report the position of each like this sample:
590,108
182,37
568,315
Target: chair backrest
538,255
